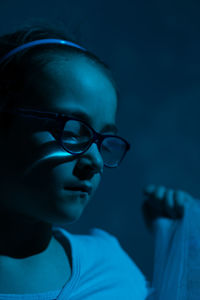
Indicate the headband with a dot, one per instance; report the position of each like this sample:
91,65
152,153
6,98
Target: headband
40,42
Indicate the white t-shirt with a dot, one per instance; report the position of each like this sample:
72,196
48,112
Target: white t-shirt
101,270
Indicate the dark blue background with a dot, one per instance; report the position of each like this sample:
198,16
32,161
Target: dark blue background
153,48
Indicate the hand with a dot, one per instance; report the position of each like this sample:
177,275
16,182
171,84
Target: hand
164,202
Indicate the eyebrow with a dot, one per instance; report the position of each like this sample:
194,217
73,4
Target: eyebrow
85,117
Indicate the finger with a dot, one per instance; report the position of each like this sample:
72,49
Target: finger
179,202
157,197
160,192
169,203
149,189
184,199
189,200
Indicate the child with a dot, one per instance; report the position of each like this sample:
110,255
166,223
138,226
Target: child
57,132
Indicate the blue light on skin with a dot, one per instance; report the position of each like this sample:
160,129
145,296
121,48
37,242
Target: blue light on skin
49,156
34,168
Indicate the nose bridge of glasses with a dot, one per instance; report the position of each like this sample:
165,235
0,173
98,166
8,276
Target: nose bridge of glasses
96,138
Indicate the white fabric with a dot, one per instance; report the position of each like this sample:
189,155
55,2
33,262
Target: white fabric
101,270
177,256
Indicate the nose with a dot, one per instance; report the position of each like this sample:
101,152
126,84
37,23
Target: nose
93,154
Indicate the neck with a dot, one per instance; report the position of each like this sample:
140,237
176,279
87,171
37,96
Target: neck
22,237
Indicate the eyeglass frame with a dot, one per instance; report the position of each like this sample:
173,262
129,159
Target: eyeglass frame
62,118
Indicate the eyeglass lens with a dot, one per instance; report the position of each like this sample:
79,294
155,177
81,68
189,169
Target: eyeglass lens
77,136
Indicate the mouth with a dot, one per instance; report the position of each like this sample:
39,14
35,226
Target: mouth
77,193
77,189
80,189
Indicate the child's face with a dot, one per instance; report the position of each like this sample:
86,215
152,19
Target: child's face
33,184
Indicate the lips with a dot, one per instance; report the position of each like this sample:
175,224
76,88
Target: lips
84,188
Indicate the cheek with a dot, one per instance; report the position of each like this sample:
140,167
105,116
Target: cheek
47,181
26,148
46,150
46,164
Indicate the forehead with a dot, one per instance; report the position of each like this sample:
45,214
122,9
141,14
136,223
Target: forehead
74,82
79,72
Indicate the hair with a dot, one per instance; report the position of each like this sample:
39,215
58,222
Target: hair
16,69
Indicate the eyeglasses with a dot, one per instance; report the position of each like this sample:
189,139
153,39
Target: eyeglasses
76,136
